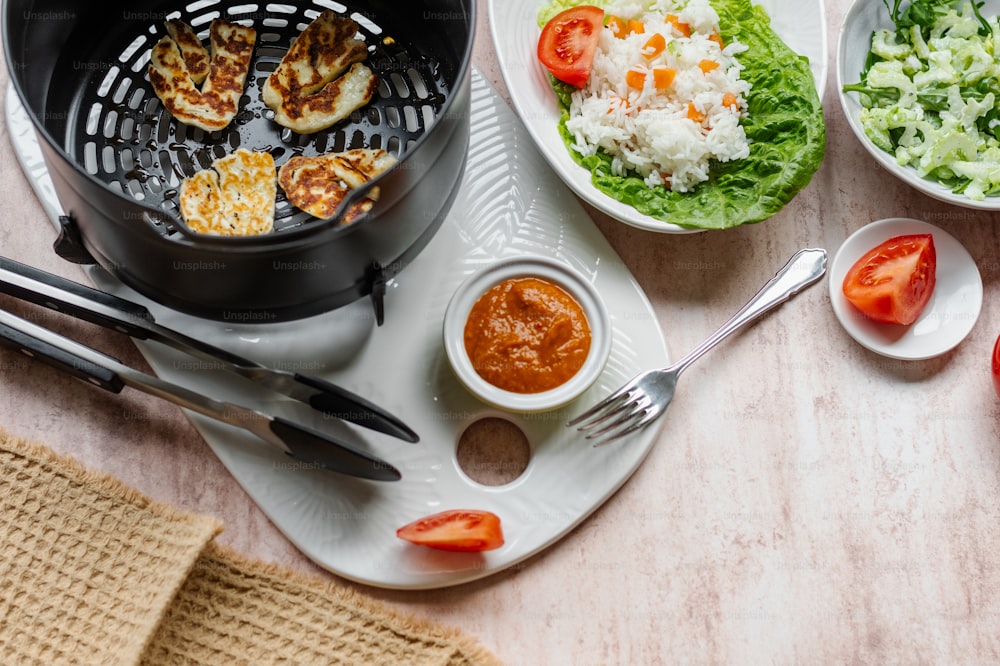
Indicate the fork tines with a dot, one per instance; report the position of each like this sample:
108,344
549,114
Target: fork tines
632,407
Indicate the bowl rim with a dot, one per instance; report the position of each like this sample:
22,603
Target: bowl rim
851,107
552,270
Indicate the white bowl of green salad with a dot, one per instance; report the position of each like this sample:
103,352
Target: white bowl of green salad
920,86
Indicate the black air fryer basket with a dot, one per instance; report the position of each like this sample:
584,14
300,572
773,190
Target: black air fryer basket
117,158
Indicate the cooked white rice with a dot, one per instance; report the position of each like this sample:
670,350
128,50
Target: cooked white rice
648,131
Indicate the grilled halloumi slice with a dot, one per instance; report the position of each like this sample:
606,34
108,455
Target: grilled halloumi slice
319,184
233,198
309,90
195,55
334,102
321,52
215,105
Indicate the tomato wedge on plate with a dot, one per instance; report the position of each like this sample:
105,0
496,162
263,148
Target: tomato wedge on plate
569,41
996,365
466,530
894,281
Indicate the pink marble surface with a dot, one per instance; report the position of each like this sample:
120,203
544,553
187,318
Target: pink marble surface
807,502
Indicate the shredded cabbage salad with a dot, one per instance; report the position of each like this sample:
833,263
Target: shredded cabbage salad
930,94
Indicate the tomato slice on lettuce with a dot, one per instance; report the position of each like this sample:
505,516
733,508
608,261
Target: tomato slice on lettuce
568,42
465,530
894,281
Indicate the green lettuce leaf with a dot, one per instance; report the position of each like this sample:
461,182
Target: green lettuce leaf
784,124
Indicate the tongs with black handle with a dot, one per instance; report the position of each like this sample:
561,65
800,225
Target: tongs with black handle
98,307
306,445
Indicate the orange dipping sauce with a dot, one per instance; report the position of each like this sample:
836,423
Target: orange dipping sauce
527,335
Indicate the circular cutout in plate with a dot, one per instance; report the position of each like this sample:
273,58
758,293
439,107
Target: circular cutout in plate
950,314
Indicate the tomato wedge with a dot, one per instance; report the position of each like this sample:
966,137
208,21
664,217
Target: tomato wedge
995,365
465,530
893,282
568,42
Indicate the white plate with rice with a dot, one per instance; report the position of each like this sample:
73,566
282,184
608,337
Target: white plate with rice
800,23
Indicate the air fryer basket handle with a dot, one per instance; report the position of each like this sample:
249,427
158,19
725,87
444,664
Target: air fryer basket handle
69,244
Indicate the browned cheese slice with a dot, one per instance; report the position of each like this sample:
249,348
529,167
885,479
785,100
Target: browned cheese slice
194,54
319,184
215,104
309,90
233,198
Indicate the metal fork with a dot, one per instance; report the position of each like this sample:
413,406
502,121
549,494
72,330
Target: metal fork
640,401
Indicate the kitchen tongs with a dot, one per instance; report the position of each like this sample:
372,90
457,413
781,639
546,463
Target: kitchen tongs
104,309
305,444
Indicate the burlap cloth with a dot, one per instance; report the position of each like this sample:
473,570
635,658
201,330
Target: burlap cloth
93,572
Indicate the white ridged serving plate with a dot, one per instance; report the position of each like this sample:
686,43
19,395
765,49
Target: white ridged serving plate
800,23
511,203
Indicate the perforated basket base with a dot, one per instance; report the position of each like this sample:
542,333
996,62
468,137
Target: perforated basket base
120,132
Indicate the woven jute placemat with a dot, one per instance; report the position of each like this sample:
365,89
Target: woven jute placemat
94,572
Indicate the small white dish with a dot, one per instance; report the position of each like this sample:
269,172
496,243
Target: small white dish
853,45
514,27
949,316
554,272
